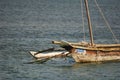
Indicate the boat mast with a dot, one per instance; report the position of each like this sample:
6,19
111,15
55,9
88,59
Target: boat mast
89,22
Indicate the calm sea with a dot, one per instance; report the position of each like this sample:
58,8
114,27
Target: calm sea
32,24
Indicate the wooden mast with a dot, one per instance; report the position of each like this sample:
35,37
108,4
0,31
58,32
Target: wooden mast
89,22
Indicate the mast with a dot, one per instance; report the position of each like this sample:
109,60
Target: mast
89,22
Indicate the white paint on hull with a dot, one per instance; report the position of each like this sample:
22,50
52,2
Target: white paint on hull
47,54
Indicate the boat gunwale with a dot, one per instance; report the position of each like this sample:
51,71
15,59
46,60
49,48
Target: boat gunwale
101,47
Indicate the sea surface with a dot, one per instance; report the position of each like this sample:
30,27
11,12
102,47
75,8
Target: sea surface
27,25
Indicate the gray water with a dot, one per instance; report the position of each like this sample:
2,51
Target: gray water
32,24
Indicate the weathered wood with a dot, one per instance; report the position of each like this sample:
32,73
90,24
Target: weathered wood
96,56
85,45
96,53
99,48
89,22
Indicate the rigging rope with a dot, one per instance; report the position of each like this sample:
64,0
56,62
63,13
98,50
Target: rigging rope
83,25
108,25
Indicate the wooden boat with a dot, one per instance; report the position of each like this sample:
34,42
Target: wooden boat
84,52
91,52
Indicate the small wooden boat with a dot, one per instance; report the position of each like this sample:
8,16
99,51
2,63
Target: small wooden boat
84,51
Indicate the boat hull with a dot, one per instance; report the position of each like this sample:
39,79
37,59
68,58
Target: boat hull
82,52
52,54
95,56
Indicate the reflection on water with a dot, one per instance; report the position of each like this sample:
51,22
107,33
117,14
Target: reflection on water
32,24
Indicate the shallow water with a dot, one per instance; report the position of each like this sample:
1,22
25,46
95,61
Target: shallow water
32,24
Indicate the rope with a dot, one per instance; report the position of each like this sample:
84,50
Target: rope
83,25
108,25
